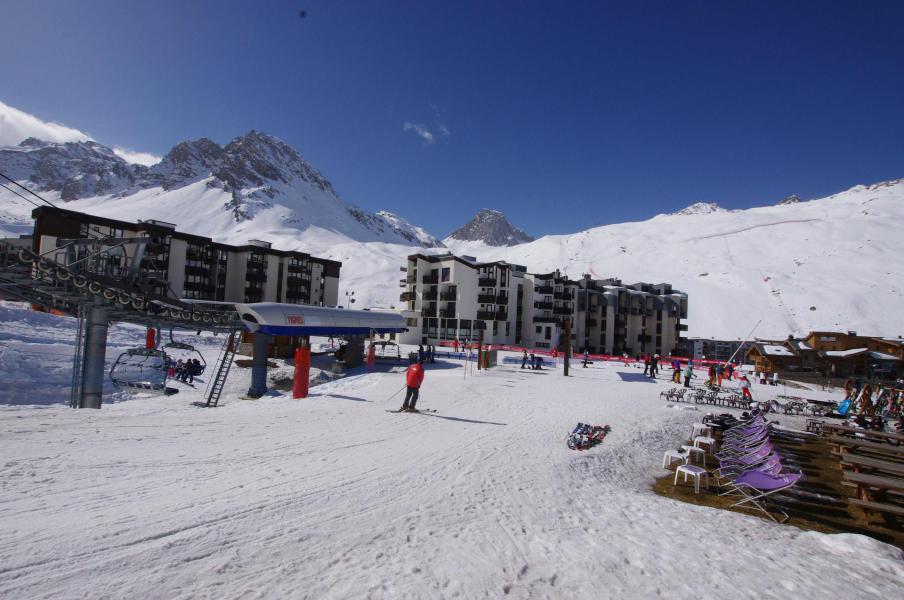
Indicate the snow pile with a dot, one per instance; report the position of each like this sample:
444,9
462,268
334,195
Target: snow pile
332,497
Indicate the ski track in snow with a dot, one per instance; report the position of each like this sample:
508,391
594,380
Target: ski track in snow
751,228
332,497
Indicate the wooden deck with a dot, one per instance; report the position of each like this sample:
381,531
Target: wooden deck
820,502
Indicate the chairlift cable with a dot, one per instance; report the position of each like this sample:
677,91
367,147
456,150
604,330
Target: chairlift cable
16,183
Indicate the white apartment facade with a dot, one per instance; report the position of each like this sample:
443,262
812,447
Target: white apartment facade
451,297
192,267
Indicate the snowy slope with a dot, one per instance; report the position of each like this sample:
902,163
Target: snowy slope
332,497
839,255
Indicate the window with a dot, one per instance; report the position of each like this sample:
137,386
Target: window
495,327
548,333
507,328
539,330
411,322
445,273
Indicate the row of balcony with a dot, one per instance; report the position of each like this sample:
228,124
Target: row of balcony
492,298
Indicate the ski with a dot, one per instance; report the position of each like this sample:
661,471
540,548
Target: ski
420,410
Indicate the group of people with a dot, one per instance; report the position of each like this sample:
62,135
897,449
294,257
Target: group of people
185,371
427,354
764,378
536,361
651,365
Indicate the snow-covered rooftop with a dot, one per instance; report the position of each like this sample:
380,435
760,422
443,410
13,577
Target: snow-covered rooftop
882,356
773,350
843,353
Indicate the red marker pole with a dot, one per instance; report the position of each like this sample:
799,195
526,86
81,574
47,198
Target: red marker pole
149,340
302,372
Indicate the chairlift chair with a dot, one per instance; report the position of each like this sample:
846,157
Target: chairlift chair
143,370
191,351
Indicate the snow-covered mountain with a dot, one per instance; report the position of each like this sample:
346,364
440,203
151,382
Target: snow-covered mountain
832,263
256,183
700,208
490,227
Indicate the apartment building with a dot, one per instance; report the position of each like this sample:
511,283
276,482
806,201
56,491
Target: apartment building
451,297
186,266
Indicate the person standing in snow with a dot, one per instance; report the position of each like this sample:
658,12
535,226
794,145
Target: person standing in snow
745,388
654,366
646,364
676,371
688,373
586,358
455,345
523,358
775,378
414,377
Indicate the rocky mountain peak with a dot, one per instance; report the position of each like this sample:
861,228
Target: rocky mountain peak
492,228
792,199
700,208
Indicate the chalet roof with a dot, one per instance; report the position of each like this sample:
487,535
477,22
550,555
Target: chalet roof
881,356
845,353
775,350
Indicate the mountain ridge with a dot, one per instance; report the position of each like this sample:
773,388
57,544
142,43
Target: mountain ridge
491,227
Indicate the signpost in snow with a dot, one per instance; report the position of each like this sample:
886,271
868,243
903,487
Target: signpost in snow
567,344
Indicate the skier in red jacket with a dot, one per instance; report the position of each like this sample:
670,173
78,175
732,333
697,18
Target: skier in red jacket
414,377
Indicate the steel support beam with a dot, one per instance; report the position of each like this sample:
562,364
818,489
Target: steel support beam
259,365
94,357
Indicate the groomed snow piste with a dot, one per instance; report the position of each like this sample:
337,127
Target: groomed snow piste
333,497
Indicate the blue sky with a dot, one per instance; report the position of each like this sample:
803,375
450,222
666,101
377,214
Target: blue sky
562,115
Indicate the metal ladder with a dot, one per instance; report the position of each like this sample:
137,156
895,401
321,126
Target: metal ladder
78,361
227,354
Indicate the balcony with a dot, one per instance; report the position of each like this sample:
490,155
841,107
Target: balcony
448,296
486,315
545,320
501,315
562,310
431,295
543,305
430,311
202,271
681,327
544,289
486,298
197,255
486,281
502,299
411,279
431,279
567,295
591,322
447,313
644,338
407,296
256,275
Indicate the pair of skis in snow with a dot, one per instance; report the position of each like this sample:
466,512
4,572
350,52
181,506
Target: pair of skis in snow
417,410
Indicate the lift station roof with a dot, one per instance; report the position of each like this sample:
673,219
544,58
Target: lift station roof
296,319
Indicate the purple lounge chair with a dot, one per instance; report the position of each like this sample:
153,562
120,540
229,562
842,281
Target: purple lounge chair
756,486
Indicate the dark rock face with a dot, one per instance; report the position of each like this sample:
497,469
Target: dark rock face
492,228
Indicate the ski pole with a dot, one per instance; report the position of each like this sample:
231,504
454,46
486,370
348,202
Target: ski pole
396,394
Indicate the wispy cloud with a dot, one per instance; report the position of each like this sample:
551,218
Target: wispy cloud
16,125
137,158
443,130
420,130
